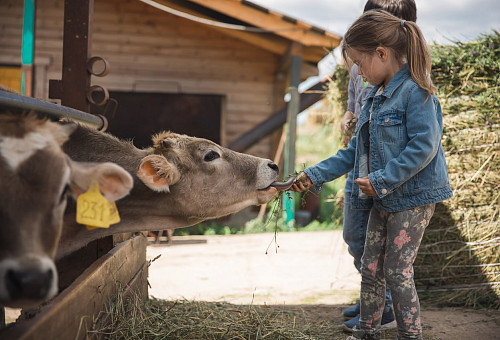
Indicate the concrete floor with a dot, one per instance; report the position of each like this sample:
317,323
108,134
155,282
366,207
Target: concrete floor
307,268
310,268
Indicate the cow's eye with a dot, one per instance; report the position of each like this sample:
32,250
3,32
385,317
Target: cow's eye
210,156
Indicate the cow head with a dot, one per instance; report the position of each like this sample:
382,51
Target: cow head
206,179
36,179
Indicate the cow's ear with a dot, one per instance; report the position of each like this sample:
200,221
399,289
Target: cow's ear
61,132
157,173
114,181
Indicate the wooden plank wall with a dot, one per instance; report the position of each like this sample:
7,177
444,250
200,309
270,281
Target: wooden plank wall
153,51
11,32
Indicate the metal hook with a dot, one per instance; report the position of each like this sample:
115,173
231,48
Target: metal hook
105,123
94,89
111,112
90,66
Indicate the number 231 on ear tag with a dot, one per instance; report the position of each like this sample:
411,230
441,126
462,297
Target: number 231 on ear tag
113,217
94,210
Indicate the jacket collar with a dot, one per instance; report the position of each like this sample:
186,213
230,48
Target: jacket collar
396,81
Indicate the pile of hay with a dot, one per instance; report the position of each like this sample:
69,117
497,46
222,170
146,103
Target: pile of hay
127,316
130,318
459,259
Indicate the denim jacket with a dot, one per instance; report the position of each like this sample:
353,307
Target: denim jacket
397,144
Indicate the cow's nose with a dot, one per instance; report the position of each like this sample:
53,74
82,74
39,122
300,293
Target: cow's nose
273,166
29,284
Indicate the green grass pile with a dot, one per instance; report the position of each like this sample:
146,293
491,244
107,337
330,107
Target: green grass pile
459,260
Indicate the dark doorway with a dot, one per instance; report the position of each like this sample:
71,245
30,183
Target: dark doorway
140,115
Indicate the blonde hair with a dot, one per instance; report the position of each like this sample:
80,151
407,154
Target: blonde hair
379,28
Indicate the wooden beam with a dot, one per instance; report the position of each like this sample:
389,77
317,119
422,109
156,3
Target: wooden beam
274,44
292,112
276,121
298,31
308,70
261,40
284,63
267,41
72,88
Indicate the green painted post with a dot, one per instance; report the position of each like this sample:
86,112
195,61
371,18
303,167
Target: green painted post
27,46
293,111
288,204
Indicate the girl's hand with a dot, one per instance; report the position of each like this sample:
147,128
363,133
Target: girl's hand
302,183
365,186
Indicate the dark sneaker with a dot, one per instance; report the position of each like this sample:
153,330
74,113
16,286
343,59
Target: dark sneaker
358,334
388,322
351,312
350,324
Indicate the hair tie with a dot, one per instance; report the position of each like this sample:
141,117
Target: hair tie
403,23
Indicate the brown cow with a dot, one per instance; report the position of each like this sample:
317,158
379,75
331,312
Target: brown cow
178,182
35,179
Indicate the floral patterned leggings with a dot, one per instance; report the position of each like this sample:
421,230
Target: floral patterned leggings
392,241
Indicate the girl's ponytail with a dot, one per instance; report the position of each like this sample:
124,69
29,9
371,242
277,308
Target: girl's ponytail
379,28
418,56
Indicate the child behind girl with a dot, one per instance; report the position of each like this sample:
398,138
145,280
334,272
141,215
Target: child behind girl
399,166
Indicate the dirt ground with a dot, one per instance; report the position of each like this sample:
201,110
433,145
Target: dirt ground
308,270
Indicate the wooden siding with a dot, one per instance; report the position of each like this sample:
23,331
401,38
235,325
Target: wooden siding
153,51
11,31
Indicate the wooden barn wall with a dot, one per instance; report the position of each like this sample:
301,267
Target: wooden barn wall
153,51
11,18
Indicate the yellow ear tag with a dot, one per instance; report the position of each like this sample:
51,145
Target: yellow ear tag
93,209
113,216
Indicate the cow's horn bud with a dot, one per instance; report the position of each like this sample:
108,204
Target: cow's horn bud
166,143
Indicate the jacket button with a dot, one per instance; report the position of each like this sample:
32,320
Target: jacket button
384,191
387,119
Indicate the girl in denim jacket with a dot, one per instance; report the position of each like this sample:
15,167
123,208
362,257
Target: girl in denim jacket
398,163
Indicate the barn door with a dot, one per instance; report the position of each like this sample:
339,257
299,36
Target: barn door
140,115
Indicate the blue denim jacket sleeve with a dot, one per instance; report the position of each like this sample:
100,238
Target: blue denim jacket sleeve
424,130
333,167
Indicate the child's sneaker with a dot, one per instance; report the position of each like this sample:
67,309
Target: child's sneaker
358,334
350,324
351,312
388,322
